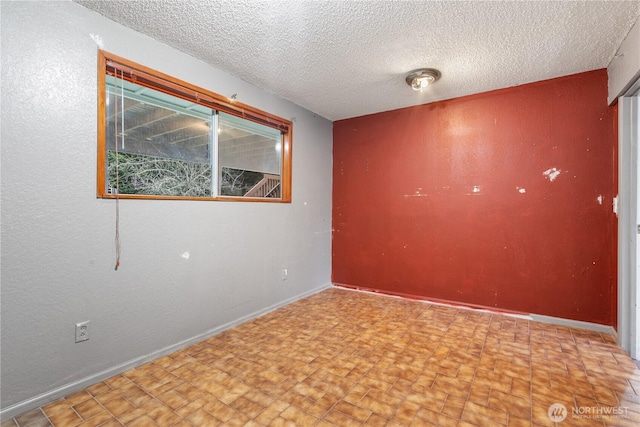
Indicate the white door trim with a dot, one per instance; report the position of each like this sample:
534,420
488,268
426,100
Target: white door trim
628,220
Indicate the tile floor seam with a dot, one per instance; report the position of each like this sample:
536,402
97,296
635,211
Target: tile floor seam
484,342
530,377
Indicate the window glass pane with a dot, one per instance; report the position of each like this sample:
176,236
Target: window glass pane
164,143
161,137
250,158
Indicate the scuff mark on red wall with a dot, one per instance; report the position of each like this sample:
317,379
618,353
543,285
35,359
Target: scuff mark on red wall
491,200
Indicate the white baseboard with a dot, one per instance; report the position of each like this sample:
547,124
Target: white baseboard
67,389
575,324
526,316
615,335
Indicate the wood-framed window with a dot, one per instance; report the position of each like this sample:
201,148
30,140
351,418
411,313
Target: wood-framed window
162,138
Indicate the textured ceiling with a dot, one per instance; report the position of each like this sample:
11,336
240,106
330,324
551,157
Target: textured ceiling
343,59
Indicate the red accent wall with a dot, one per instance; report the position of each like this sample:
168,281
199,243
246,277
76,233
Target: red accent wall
501,200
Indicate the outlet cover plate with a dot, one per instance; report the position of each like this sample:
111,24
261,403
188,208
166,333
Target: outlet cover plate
82,331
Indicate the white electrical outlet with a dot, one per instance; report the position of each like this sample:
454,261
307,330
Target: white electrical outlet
285,274
82,331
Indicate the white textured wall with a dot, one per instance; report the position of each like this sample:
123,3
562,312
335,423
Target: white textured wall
58,239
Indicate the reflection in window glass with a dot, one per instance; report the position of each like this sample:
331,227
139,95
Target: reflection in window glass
163,142
249,158
163,145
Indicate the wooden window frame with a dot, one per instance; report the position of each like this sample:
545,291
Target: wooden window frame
108,63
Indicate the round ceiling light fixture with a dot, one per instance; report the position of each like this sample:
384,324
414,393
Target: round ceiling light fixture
420,79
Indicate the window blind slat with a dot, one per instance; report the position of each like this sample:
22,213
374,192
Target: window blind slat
189,93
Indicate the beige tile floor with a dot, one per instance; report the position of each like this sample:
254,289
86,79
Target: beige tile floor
345,358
